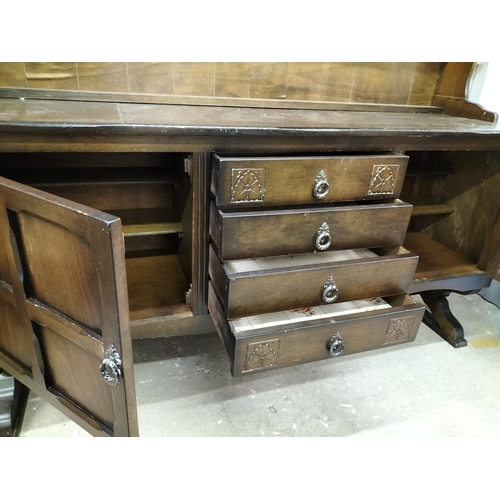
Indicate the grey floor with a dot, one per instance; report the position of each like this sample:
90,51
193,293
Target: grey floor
425,388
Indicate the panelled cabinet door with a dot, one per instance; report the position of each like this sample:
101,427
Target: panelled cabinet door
65,328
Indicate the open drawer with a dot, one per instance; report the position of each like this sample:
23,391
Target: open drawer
288,338
257,286
263,233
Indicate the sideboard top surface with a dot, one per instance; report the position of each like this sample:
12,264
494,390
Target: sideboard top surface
231,126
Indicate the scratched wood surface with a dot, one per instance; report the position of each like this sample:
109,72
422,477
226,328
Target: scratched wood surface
375,82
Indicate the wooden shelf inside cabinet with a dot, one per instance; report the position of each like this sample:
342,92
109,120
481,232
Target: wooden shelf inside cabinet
430,209
64,177
156,287
441,268
149,221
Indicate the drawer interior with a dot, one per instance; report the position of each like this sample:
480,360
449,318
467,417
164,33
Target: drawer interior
307,316
301,260
287,338
150,193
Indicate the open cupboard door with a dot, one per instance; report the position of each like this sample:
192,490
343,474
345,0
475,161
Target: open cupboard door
65,330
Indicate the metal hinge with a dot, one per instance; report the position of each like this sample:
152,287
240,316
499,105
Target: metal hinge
188,295
188,166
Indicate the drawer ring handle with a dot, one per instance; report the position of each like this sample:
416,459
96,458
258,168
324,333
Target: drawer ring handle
330,291
323,238
336,347
321,186
111,366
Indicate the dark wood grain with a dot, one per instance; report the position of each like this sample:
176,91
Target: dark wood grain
424,82
453,79
12,74
281,232
151,78
309,341
291,180
61,293
440,268
46,75
200,231
194,79
472,193
102,76
302,285
172,326
157,287
232,80
362,82
196,100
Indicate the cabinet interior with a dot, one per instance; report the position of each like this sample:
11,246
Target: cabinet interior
150,193
452,214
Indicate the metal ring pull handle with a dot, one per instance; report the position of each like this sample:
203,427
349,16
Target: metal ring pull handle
321,186
330,291
336,347
323,238
111,366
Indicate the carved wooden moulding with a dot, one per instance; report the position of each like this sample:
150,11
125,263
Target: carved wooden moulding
262,354
383,179
399,329
248,185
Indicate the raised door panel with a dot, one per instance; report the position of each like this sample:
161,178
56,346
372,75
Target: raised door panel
64,297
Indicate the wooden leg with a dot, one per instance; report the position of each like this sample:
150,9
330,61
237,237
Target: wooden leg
441,320
13,400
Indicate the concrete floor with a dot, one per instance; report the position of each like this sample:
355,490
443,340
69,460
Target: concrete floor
425,388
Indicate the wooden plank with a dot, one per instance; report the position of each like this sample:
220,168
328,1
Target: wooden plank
86,164
457,106
437,262
103,76
157,287
367,82
12,74
425,79
172,326
294,231
198,100
338,79
52,75
241,182
453,79
302,285
232,80
194,79
268,81
131,230
151,78
472,192
294,142
63,290
397,82
430,209
200,231
305,81
330,81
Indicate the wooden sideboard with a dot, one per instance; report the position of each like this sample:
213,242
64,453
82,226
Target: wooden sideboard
133,216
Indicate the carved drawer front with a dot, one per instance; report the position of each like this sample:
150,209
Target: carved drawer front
289,338
251,234
247,182
256,286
